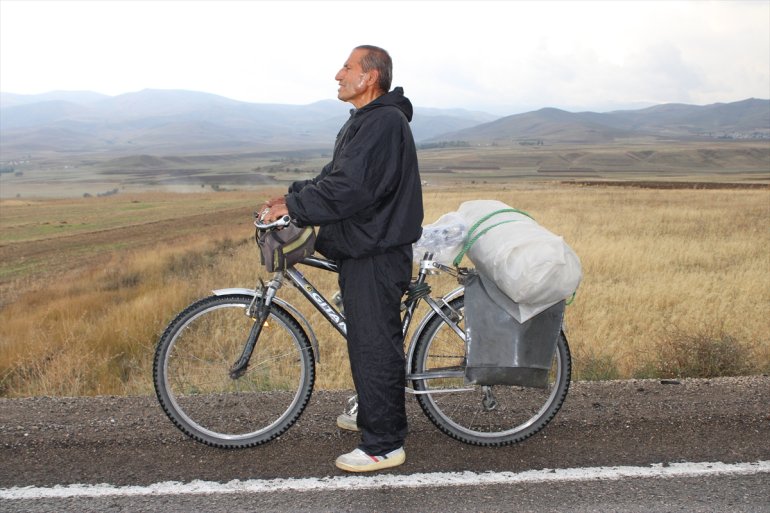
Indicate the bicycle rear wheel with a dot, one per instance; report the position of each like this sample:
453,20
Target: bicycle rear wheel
193,382
482,415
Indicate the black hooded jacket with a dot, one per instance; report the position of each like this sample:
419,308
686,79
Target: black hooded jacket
369,197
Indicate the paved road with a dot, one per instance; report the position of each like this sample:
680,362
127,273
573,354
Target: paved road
123,442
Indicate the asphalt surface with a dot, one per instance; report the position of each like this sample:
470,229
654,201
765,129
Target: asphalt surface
45,442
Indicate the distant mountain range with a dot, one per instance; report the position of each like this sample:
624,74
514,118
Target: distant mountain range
747,119
174,121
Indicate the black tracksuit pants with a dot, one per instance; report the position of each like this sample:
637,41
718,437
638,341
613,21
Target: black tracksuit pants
372,289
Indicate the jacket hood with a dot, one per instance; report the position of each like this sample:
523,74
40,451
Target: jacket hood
395,98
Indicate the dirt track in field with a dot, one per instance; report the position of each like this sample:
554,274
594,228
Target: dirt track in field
54,256
645,184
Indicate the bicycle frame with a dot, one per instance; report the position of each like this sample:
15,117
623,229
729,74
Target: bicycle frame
337,319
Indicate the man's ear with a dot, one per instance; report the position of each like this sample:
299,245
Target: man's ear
373,78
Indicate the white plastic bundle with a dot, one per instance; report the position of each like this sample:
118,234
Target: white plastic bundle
531,265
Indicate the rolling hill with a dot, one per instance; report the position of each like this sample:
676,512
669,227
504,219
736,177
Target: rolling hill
188,122
747,119
183,122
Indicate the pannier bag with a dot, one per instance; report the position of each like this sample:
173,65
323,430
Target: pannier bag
280,249
501,350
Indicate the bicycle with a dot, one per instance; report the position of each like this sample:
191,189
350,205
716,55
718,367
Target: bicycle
236,369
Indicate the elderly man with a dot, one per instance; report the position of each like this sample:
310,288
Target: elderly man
368,204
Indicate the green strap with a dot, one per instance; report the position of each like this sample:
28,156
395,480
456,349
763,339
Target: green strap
471,241
473,238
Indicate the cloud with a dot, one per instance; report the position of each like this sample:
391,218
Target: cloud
502,55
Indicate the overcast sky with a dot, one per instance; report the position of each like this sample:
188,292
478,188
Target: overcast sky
503,56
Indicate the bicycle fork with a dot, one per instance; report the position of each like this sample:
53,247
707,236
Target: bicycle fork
258,309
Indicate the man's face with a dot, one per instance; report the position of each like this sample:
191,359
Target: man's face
351,78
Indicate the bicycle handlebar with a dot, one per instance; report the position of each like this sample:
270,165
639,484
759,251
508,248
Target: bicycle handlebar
275,225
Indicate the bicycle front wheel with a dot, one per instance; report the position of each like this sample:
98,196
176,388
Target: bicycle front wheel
482,415
192,378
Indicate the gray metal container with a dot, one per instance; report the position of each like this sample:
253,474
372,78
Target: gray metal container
500,350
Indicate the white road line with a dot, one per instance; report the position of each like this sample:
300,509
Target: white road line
389,480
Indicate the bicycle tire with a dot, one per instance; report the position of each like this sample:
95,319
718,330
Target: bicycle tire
192,381
520,413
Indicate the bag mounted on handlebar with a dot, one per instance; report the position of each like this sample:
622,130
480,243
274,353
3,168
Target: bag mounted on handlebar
281,249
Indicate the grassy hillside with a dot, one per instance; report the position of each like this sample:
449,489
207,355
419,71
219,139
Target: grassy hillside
672,161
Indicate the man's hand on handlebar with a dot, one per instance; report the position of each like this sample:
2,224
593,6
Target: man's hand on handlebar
274,212
280,200
278,224
271,210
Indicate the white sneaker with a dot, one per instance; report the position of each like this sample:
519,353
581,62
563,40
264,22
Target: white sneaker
347,421
359,461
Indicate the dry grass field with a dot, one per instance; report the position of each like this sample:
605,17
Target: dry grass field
676,282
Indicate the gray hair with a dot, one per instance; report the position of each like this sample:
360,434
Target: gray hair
379,59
